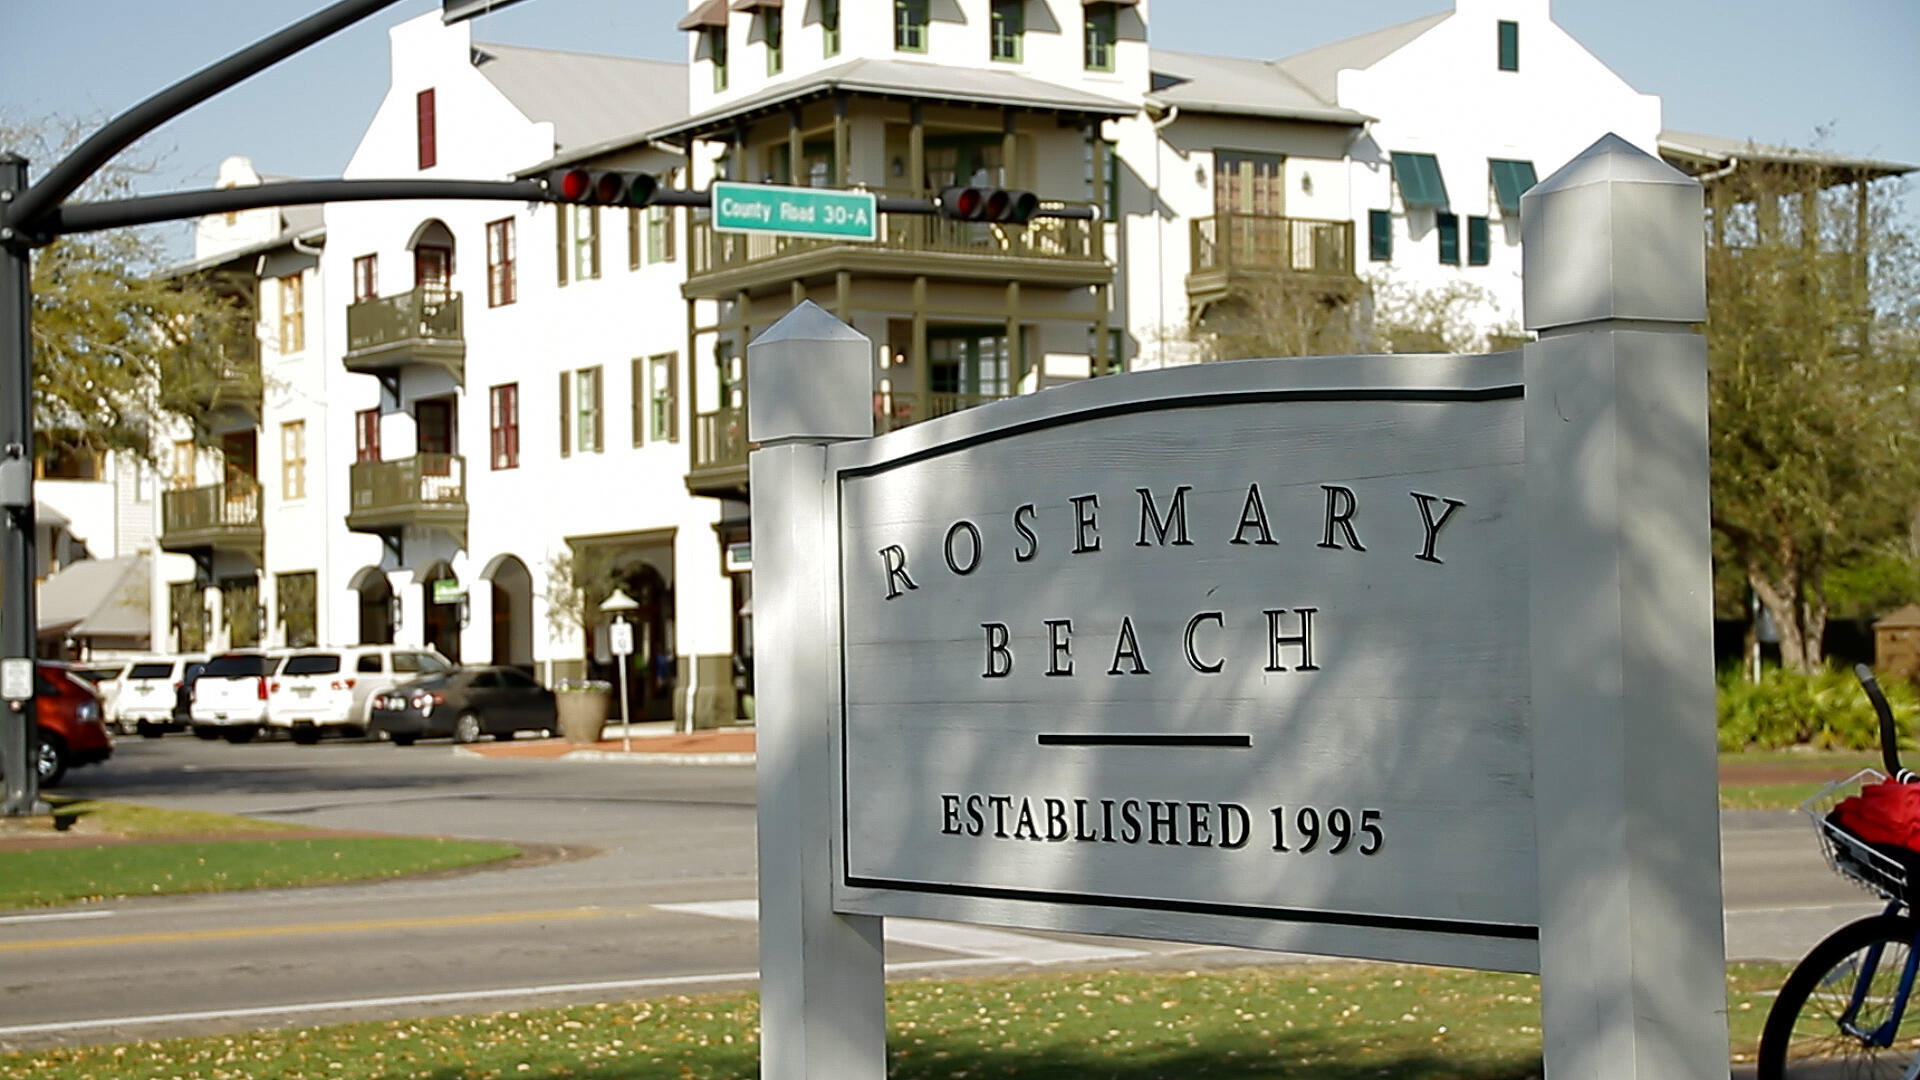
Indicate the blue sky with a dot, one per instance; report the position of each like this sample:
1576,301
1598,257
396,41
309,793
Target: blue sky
1769,70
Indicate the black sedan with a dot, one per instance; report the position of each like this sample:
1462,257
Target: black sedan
464,703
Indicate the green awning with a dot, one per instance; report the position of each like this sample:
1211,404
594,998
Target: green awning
1419,178
1511,179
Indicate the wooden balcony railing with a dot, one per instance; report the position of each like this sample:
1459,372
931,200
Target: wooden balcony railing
720,437
419,327
214,516
426,489
1263,243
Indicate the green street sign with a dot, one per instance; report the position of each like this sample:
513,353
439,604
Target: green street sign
795,211
448,591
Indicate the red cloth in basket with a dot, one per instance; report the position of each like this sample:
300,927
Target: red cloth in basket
1884,813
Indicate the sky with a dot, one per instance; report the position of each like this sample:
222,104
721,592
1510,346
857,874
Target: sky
1774,71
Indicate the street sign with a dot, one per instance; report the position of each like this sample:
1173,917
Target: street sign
795,211
448,591
621,640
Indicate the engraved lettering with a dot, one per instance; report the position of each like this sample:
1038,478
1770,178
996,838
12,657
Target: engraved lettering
1080,831
1303,640
976,822
1175,521
1060,656
1433,526
1085,535
999,656
895,558
1199,825
1127,648
1056,819
1000,804
1026,823
1232,814
1253,516
950,815
1163,816
1340,509
1130,821
973,558
1033,542
1193,656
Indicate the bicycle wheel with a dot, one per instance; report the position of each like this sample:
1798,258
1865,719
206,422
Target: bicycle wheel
1805,1039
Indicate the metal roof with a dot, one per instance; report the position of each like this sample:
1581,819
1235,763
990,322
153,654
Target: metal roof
907,78
97,598
589,98
1697,154
1318,69
1237,87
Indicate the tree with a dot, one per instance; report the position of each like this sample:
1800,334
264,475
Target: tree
1282,315
1811,316
117,343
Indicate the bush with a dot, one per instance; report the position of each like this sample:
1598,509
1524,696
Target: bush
1827,711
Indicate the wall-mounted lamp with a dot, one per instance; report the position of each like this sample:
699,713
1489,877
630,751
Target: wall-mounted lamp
899,167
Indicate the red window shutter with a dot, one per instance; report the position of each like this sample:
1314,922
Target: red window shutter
423,122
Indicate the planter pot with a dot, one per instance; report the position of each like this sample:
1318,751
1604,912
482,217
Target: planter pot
583,714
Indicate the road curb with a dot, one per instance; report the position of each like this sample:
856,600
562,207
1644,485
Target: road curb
615,756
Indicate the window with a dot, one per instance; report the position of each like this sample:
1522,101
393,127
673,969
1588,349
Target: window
663,403
1380,235
1116,359
295,606
423,125
500,262
1510,179
1449,230
293,459
910,25
773,28
366,435
1418,176
1509,46
1248,183
1104,152
586,410
69,461
1009,25
586,242
830,27
1479,242
717,52
366,278
504,403
1102,28
187,611
293,315
240,606
659,234
183,455
371,662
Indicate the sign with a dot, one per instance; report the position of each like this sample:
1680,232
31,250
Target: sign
16,678
1261,677
739,556
795,211
448,591
620,638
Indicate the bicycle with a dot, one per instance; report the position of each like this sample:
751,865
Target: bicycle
1840,1013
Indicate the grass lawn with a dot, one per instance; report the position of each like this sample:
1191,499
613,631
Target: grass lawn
1783,779
1325,1022
214,852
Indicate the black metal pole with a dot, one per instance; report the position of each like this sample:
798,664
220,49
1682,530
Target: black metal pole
180,205
19,737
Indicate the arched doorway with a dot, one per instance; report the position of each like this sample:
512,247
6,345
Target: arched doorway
376,605
653,672
512,611
442,620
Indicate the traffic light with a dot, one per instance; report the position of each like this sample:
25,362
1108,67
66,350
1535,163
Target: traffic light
1000,206
599,187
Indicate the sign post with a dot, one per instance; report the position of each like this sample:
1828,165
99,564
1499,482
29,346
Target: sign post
620,643
1394,657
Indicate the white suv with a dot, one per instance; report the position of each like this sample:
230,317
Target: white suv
320,689
230,697
149,691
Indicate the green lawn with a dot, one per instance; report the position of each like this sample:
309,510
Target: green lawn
1796,775
1325,1022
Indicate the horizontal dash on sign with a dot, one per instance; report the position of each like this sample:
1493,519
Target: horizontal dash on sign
1123,739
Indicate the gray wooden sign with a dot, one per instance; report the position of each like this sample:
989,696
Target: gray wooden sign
1395,657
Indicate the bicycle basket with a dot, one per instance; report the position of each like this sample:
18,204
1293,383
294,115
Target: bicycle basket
1849,856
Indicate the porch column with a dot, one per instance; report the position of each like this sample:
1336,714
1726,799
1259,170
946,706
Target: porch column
1101,334
796,149
1008,148
922,365
1016,356
840,147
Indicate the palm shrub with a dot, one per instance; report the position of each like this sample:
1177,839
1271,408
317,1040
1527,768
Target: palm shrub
1826,710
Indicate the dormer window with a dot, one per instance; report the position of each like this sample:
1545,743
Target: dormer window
1509,46
910,25
1009,25
717,52
772,28
1102,28
830,27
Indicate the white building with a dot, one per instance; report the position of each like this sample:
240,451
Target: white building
490,394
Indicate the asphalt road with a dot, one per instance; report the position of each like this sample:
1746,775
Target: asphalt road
662,902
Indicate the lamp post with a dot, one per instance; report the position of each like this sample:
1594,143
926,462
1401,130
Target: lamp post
621,642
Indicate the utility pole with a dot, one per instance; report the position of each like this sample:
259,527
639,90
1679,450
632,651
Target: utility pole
19,735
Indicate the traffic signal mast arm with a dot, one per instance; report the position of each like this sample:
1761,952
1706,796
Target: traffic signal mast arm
999,206
147,209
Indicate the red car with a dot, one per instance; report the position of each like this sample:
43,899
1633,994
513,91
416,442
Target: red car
71,729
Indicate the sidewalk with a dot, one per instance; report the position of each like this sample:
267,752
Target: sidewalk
654,743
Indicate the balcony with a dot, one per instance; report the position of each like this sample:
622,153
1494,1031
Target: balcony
1068,253
422,327
219,517
1233,251
427,491
720,437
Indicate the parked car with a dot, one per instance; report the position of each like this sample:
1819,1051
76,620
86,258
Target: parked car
104,676
465,703
230,697
318,690
71,730
150,691
183,694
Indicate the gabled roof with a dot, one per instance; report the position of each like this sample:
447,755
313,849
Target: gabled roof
907,78
97,598
589,98
1698,154
1231,86
1318,69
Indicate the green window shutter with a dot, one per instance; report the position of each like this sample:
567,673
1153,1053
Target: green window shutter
1380,235
1511,179
1479,242
1449,231
1418,176
637,406
1509,46
633,238
560,239
566,415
